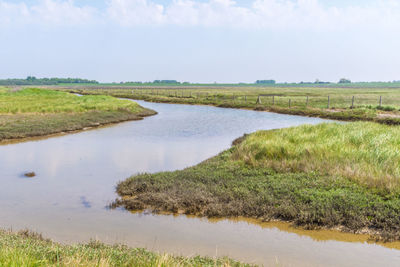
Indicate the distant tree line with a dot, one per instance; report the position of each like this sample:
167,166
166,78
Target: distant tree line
31,80
157,82
265,82
166,81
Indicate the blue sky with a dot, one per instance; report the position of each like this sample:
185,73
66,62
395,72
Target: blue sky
201,41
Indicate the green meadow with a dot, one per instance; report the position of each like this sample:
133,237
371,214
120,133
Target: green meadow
49,101
37,112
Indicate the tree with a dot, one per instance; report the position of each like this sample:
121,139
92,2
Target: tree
343,80
265,82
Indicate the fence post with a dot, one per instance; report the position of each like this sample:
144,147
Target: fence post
329,101
258,100
273,100
352,102
380,101
290,102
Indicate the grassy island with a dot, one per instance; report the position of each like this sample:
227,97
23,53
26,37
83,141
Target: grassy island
38,112
344,176
26,249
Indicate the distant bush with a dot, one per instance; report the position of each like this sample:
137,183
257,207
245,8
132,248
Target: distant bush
166,81
343,80
265,82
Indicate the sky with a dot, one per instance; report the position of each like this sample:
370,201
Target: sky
201,41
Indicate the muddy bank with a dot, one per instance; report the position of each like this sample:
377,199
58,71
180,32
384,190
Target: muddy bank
21,126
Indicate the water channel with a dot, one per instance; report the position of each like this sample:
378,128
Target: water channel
77,175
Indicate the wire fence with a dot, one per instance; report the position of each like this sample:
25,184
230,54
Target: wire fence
334,101
329,102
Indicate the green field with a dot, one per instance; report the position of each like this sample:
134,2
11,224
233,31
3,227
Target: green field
370,104
26,249
328,175
50,101
37,112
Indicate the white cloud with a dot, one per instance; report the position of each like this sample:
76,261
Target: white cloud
260,14
46,12
270,14
136,12
62,12
10,13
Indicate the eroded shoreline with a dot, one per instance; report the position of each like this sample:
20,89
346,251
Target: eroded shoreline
36,129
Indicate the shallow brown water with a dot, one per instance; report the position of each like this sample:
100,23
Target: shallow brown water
76,176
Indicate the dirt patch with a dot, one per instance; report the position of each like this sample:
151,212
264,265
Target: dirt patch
388,115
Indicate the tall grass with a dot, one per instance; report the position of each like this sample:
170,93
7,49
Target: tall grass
27,249
49,101
368,153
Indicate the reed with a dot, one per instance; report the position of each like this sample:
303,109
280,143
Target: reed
367,153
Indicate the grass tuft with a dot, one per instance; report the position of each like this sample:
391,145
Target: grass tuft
28,249
367,153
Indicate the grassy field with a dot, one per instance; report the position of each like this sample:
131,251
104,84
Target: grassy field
369,104
50,101
330,175
26,249
37,112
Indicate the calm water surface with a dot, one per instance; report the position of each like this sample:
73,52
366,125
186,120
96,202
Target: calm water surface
77,174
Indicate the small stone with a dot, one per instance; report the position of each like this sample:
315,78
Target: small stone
30,174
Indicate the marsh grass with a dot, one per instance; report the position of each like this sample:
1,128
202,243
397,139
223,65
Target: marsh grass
50,101
367,153
28,249
38,112
328,175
